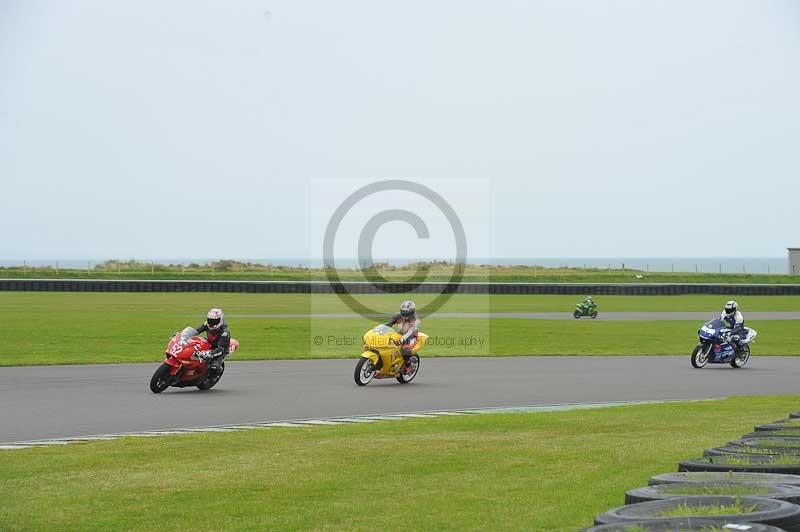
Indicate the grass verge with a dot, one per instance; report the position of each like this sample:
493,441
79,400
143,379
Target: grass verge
543,471
82,328
194,304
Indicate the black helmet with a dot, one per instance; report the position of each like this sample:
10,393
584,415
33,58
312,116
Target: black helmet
731,307
407,309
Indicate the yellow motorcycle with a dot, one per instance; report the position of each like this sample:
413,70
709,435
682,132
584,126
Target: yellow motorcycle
382,359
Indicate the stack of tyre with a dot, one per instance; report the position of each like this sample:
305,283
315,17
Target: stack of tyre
751,483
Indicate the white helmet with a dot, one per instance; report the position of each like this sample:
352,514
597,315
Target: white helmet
731,307
214,319
407,309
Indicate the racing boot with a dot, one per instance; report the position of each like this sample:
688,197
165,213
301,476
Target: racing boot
737,345
215,364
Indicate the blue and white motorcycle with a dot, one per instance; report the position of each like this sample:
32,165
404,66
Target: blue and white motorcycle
718,345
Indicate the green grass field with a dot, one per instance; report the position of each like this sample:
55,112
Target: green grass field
62,328
193,305
232,270
543,471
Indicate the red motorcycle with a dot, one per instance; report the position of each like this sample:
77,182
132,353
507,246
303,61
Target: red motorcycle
182,366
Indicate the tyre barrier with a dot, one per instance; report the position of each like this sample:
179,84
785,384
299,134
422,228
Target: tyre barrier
324,287
686,524
756,464
734,489
760,472
778,425
775,445
727,476
741,452
788,434
773,512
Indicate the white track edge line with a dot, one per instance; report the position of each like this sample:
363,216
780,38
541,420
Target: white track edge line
339,420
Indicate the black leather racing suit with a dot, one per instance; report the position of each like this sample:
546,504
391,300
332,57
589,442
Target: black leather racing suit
219,338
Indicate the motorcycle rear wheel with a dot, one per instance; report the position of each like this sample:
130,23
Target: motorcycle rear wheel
699,358
577,314
413,363
161,379
365,371
210,382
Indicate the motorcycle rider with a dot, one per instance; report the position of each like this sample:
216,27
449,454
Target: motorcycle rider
735,320
408,324
588,302
219,336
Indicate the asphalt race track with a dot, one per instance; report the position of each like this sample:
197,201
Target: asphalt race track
60,401
615,316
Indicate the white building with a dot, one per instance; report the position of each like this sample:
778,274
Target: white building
794,261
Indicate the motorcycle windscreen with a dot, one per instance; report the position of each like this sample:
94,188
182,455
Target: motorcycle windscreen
188,332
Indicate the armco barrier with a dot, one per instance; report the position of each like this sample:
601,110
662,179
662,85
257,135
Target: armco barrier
323,287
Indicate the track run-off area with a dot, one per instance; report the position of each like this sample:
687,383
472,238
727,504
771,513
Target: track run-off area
44,402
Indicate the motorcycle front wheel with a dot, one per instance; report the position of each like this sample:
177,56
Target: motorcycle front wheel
365,371
211,381
409,371
742,357
161,379
699,356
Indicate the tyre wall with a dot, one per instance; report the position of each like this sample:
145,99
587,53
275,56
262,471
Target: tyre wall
322,287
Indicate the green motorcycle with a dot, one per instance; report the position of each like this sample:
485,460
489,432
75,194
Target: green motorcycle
585,309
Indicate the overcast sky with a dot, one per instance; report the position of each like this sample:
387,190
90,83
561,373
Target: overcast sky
554,128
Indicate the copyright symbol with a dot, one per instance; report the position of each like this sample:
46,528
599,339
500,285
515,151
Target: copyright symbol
367,238
318,340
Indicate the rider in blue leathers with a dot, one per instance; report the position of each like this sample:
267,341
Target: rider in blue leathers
735,320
